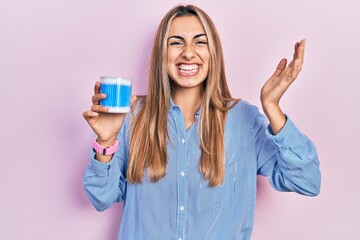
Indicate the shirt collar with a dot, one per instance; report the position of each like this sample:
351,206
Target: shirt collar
173,106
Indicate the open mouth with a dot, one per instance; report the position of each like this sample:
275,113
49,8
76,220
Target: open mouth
188,69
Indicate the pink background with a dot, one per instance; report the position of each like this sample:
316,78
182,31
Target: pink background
52,52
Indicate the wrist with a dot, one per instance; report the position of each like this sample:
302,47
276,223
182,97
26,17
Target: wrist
270,107
104,148
276,118
106,143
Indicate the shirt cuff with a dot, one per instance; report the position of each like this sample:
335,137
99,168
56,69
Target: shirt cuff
100,168
288,135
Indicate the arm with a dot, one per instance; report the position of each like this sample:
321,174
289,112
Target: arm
104,179
289,159
286,156
105,182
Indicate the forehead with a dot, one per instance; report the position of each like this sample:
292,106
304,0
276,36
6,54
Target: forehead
186,26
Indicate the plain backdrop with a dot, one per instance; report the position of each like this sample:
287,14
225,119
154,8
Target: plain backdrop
52,52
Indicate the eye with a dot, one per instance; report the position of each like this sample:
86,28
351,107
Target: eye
175,43
201,42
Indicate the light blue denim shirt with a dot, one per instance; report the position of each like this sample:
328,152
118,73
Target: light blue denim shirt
181,206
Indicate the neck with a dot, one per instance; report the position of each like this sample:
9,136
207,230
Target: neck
188,100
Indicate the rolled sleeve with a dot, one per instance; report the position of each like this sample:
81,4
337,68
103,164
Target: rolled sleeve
289,158
99,168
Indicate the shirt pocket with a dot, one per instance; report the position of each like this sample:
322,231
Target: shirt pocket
219,196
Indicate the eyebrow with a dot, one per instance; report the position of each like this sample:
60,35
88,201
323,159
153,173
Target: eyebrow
181,38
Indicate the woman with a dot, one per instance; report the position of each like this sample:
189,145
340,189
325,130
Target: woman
189,169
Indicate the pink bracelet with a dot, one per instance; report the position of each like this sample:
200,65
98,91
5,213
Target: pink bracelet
106,150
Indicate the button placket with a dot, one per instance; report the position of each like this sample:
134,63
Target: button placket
182,181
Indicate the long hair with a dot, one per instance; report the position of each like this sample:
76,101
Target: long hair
149,130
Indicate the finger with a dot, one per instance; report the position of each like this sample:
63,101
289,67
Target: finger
296,45
291,72
296,70
280,67
303,42
97,97
97,87
99,109
298,56
295,55
301,50
291,64
133,99
286,74
90,114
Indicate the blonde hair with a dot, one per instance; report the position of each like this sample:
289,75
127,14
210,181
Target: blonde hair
149,130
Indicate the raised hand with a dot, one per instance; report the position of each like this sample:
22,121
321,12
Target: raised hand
278,83
105,125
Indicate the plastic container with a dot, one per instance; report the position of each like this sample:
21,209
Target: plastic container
118,93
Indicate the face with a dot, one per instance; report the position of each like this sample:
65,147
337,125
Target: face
188,53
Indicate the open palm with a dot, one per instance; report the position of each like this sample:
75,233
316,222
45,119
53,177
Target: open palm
283,77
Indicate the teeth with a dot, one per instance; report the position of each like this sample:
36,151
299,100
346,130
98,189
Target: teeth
185,67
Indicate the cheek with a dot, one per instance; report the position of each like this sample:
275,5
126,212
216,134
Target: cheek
169,60
206,61
170,67
172,55
204,55
206,65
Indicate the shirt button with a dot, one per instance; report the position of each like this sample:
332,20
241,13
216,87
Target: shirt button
182,174
182,208
183,140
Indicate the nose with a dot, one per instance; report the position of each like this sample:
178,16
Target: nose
188,52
